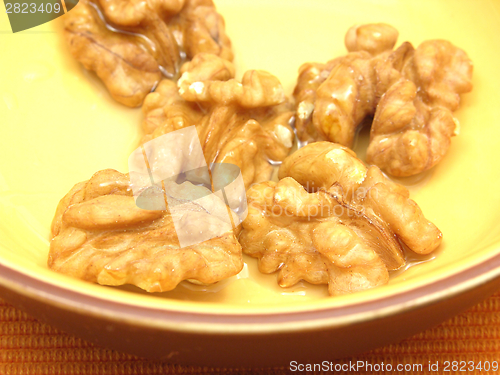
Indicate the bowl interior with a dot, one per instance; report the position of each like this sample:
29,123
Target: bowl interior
59,126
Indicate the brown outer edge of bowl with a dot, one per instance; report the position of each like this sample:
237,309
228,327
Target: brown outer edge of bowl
228,323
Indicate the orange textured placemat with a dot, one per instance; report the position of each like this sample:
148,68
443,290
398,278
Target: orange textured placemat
30,347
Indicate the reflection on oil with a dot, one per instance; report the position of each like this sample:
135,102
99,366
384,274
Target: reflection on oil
250,286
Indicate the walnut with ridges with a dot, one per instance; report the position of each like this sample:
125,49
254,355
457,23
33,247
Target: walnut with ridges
330,220
100,235
410,92
132,45
237,123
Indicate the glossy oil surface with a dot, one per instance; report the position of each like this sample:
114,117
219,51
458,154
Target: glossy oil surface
58,126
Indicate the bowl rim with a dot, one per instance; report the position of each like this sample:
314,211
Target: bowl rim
177,320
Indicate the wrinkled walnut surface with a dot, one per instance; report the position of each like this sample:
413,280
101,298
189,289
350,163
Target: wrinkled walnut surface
410,92
413,124
246,124
330,220
132,44
100,235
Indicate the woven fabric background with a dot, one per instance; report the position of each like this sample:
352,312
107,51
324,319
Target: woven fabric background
30,347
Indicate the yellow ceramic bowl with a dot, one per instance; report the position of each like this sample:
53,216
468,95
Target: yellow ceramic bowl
59,126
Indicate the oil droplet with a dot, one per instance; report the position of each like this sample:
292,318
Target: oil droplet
10,100
244,273
37,71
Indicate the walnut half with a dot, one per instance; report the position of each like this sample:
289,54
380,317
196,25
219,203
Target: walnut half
101,235
132,44
243,123
410,92
330,220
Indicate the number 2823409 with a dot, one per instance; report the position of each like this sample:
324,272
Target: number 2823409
32,8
